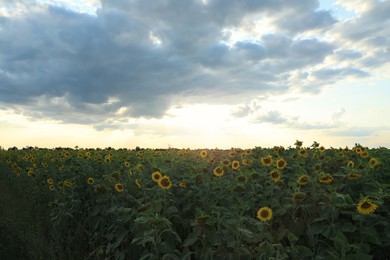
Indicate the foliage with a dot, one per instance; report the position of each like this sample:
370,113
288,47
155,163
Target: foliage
105,203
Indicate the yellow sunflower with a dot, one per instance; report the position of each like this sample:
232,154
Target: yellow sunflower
264,214
182,184
365,206
303,180
203,154
165,183
354,176
303,153
90,181
156,176
118,187
298,143
326,179
364,154
218,171
267,161
298,196
350,164
127,164
275,175
321,149
373,162
281,164
235,165
50,181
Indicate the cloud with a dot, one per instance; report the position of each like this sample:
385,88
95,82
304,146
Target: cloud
137,59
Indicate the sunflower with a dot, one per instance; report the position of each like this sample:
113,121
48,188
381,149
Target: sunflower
138,183
267,161
373,162
350,164
354,176
218,171
156,176
165,183
255,176
66,154
90,181
364,154
87,154
127,164
211,161
67,183
232,153
303,180
50,181
52,188
241,178
321,149
303,153
275,175
226,162
182,184
235,165
365,206
359,150
298,196
326,179
264,214
107,159
281,164
248,152
298,143
118,187
203,154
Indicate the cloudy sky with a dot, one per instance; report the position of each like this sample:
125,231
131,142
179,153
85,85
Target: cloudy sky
194,73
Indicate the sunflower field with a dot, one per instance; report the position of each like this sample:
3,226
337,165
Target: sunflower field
262,203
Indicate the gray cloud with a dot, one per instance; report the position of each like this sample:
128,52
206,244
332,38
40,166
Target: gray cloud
141,57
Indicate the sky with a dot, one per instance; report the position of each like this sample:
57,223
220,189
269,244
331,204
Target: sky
194,73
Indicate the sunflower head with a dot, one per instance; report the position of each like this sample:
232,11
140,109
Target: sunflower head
365,206
264,214
118,187
235,165
354,176
281,164
321,149
127,164
267,161
275,175
165,183
182,184
326,179
218,171
203,154
241,178
373,162
90,181
303,153
156,176
303,180
298,143
298,196
350,164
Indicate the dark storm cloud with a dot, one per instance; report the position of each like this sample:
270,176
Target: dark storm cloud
138,58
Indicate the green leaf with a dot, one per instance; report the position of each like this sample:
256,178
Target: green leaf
191,239
246,232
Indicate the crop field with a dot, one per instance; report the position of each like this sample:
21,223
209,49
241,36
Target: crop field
262,203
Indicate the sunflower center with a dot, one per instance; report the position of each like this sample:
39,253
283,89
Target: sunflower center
264,214
365,205
165,182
